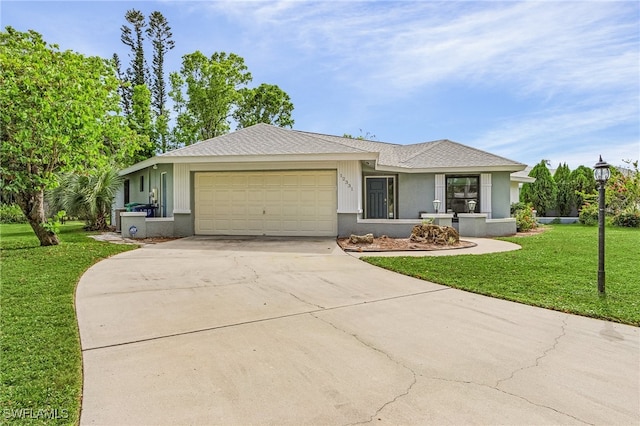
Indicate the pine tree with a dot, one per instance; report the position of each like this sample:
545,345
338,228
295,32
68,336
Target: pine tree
543,192
582,182
160,34
137,72
565,198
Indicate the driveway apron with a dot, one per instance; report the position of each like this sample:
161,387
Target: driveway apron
208,330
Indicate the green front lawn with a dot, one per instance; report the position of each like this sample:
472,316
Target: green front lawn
40,358
556,269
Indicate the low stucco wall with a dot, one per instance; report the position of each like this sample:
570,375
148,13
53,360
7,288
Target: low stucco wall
501,227
160,227
133,224
469,225
563,220
399,228
137,225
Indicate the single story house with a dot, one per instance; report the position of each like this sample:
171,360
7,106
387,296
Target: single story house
266,180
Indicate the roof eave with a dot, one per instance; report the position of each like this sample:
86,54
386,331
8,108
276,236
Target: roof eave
293,158
466,169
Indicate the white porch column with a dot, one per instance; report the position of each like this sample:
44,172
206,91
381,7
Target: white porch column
349,194
485,193
181,190
440,193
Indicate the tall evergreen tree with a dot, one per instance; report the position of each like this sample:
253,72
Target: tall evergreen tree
543,192
582,182
565,197
161,37
123,90
134,39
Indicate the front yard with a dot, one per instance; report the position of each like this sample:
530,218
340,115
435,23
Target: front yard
40,358
556,269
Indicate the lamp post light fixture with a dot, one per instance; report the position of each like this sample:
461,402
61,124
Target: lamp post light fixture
601,173
436,205
472,206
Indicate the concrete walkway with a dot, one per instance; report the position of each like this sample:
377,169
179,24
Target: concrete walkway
284,331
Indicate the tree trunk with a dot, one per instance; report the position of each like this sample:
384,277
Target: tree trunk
101,222
32,205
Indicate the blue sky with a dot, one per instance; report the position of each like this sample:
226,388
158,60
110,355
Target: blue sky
526,80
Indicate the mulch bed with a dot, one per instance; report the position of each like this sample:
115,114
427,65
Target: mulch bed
399,244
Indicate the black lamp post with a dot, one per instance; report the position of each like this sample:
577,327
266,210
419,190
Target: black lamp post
601,173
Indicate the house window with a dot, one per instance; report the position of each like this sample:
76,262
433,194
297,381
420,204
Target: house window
141,183
461,190
126,191
380,197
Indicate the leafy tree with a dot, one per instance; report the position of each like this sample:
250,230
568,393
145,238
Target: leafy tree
87,195
205,93
582,182
266,103
622,191
140,120
565,197
543,192
161,37
58,114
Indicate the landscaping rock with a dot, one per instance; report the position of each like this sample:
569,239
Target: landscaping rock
361,239
434,234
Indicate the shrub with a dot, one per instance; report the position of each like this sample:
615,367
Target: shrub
11,213
517,206
525,220
628,219
589,214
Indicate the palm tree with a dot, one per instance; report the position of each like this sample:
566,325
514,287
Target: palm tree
88,196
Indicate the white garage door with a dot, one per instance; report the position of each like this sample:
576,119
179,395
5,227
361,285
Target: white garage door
285,203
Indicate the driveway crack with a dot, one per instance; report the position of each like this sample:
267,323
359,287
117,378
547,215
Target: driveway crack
536,363
414,375
495,388
306,302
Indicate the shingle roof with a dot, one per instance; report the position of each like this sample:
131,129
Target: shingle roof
264,139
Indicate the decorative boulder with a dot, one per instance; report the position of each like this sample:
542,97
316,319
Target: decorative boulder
361,239
434,234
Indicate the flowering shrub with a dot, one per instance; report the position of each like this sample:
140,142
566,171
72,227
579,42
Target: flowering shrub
629,219
589,214
525,220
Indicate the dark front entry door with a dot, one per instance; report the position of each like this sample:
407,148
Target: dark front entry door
377,198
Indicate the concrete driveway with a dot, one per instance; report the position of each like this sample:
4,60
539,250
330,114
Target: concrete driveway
294,331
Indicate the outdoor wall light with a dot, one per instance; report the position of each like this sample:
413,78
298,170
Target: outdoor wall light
601,173
472,206
436,205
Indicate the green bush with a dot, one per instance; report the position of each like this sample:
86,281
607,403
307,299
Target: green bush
515,207
11,213
589,214
525,220
628,219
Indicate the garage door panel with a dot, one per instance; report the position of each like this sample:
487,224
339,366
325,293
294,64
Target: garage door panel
286,203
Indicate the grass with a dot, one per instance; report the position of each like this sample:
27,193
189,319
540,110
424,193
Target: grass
40,357
556,269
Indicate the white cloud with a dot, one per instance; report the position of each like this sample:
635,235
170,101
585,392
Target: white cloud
543,46
565,134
